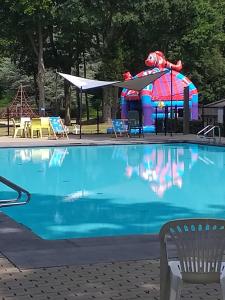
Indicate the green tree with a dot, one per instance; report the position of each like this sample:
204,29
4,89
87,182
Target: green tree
25,24
69,40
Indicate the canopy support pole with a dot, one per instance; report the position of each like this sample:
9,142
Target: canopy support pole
80,113
171,103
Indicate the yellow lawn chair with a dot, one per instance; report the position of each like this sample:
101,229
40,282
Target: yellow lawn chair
45,125
36,126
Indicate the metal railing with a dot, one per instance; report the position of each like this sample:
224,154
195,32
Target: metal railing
20,191
210,129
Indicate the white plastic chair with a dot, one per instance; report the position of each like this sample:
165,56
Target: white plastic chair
22,126
200,245
76,129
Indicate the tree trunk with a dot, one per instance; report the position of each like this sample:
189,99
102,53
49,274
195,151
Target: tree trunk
38,50
114,97
36,89
106,105
67,97
41,69
110,103
78,94
67,94
78,107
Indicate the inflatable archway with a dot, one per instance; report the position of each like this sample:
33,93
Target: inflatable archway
158,94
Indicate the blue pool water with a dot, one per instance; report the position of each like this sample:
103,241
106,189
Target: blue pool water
114,190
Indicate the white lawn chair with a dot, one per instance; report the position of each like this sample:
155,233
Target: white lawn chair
20,126
200,245
76,129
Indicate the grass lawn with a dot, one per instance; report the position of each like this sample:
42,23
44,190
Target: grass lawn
86,129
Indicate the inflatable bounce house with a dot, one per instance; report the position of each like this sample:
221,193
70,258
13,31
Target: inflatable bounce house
158,94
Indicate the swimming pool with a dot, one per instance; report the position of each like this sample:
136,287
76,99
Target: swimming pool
92,191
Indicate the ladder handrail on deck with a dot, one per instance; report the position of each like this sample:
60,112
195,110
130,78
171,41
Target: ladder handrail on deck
19,190
202,130
209,128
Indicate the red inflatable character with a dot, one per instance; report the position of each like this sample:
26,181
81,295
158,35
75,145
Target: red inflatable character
157,59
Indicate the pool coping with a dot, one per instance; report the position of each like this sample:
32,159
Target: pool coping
102,139
26,250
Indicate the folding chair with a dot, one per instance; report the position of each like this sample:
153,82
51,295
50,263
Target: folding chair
120,126
58,127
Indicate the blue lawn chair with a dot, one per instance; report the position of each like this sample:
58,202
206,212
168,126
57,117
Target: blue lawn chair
58,127
120,126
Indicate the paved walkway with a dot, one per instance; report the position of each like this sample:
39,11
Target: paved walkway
113,281
137,279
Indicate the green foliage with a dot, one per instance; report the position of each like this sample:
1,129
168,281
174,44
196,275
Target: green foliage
5,100
113,36
10,79
96,102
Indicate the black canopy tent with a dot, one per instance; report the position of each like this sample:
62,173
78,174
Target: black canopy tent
84,84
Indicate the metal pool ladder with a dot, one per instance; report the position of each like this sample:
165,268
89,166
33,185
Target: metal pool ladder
208,133
20,191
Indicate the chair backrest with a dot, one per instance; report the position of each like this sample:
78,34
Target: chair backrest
14,122
45,122
24,119
133,118
36,122
56,124
119,125
200,245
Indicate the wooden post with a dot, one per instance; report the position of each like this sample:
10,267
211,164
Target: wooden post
186,115
171,102
175,119
80,112
165,119
97,120
224,121
203,116
21,100
156,120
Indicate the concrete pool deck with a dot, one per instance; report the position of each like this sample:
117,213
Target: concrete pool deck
103,139
102,268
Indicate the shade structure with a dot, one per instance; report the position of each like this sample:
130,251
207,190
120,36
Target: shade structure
84,83
137,84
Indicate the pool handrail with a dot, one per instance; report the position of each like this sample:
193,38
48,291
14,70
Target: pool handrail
210,129
17,201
